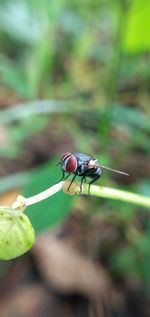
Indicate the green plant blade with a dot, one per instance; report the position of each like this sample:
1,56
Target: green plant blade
51,211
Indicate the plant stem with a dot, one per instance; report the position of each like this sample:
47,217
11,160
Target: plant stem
110,193
22,202
45,194
99,191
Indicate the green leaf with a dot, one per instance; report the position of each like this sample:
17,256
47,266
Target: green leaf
52,210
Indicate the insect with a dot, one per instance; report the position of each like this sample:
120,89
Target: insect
82,165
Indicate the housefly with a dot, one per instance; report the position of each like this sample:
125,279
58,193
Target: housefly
83,165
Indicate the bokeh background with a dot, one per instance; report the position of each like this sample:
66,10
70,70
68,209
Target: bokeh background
75,76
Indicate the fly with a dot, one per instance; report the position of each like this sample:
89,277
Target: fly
83,165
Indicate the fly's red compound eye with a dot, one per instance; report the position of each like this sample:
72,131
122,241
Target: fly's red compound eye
71,164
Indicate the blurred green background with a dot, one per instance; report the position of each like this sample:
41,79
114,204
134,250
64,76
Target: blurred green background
75,76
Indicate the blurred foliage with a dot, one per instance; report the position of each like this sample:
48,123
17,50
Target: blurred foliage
73,50
137,37
90,62
51,211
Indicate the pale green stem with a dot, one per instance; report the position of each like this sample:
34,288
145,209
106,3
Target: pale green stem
99,191
22,202
106,192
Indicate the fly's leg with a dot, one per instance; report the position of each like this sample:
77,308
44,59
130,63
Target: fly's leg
82,179
93,181
72,181
66,177
97,175
63,177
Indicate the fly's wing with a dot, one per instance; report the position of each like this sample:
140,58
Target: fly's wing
82,158
112,170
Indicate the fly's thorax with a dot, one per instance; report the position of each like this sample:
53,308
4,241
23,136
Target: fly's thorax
92,163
